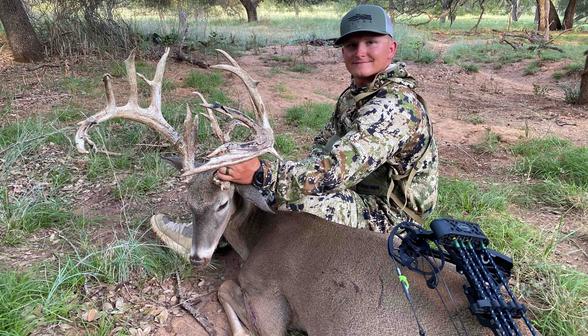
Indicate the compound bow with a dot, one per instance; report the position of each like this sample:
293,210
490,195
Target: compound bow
464,245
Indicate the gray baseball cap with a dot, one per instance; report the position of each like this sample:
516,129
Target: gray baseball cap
365,18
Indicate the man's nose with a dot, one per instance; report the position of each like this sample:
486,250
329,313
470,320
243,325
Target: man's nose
361,49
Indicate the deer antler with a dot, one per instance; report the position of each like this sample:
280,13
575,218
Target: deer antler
226,154
230,152
150,116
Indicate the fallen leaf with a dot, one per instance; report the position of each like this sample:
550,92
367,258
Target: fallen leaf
90,315
162,316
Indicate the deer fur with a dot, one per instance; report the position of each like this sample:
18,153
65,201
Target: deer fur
303,272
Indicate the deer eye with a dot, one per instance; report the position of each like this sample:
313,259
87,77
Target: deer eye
222,206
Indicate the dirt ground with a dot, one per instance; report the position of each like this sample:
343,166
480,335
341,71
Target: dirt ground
502,101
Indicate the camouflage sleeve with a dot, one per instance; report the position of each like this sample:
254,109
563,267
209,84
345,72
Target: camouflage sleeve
384,124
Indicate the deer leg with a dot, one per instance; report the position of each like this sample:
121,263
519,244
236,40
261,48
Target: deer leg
263,312
231,298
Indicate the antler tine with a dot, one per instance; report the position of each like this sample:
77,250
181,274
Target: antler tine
250,84
213,122
233,153
150,116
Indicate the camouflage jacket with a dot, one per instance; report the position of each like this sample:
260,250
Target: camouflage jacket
376,135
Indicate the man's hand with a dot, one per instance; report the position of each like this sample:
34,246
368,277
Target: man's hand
241,173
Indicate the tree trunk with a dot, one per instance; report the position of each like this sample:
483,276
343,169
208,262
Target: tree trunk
543,22
445,10
251,9
568,22
514,10
554,22
22,39
583,98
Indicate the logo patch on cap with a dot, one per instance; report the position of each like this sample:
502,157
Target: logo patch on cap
357,17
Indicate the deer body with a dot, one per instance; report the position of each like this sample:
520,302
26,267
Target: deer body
303,272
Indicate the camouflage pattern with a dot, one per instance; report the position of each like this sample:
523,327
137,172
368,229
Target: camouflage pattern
376,135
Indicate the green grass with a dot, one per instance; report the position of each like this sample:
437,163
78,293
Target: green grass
568,70
532,68
205,82
571,94
302,67
470,67
26,137
136,185
80,86
553,158
286,145
553,193
490,143
475,119
27,213
312,116
130,256
484,52
561,170
26,302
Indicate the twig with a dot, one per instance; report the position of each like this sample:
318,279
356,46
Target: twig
579,248
44,66
203,321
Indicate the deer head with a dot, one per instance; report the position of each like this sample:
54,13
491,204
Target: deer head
212,202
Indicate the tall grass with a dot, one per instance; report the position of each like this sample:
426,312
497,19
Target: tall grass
553,158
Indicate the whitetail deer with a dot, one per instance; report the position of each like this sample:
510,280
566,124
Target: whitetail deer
299,271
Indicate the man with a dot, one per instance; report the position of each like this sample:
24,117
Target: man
373,165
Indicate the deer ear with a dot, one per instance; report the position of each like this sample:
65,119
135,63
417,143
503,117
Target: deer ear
177,161
174,160
252,194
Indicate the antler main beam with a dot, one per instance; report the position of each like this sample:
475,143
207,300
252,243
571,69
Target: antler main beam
185,144
150,116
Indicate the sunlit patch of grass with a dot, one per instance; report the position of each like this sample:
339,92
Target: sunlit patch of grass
311,115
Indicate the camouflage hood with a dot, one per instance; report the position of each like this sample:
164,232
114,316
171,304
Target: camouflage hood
394,73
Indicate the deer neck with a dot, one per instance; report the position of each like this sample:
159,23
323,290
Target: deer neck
243,231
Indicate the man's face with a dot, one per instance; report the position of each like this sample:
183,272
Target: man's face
367,54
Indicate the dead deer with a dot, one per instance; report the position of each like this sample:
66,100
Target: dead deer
299,271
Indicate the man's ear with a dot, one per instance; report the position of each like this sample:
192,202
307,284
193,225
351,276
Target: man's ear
393,47
174,160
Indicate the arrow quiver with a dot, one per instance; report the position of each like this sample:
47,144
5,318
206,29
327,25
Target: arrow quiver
463,244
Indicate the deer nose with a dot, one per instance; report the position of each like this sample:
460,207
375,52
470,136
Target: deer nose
199,262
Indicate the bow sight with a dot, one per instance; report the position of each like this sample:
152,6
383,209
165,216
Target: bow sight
464,245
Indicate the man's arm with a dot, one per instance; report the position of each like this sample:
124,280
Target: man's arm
383,127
